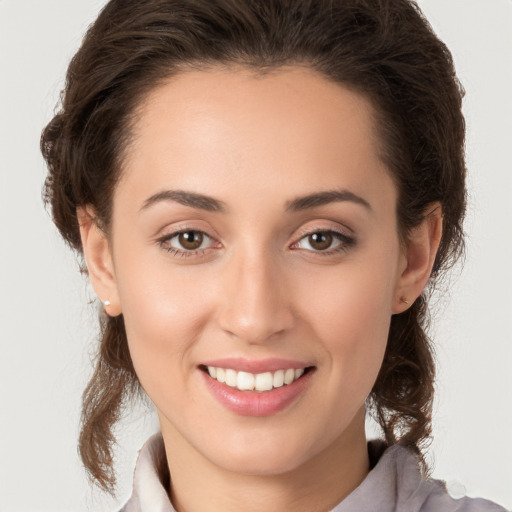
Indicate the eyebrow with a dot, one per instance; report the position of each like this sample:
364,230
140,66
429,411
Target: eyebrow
191,199
210,204
322,198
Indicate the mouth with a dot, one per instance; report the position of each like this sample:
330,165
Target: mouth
257,388
257,382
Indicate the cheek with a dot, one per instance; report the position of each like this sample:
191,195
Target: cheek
350,299
350,311
164,314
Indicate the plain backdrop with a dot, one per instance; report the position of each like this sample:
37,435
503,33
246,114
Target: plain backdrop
47,329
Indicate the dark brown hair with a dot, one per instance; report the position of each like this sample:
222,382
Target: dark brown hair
384,49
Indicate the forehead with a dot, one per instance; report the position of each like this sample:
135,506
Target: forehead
225,130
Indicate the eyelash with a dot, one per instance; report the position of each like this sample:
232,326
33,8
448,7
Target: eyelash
345,242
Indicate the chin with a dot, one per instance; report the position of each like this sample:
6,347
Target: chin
264,453
252,461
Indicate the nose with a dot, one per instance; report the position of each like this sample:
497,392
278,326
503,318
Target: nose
255,304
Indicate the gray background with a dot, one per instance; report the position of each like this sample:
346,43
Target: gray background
46,328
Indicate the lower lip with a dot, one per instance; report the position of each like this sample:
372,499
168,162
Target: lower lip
254,403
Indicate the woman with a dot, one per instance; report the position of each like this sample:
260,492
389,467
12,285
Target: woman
262,191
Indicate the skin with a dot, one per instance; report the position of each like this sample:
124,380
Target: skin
259,288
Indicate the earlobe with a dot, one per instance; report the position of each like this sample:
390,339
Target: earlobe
99,261
419,256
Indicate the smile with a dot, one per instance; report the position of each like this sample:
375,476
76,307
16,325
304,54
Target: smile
256,394
245,381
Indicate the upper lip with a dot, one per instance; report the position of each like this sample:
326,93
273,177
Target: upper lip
255,366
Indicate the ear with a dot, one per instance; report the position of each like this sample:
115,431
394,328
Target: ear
98,257
419,255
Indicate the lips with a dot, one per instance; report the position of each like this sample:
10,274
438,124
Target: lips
256,388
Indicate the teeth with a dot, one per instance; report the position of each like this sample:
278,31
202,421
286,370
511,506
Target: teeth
221,374
264,381
289,376
231,377
278,379
245,381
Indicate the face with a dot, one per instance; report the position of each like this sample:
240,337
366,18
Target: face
254,238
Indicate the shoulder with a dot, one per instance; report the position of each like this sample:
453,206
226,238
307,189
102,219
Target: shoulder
395,484
150,480
429,495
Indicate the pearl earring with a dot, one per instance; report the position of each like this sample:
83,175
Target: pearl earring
106,303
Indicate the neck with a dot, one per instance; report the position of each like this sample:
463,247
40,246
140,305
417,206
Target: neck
317,485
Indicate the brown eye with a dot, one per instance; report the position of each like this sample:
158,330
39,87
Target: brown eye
320,241
326,243
190,240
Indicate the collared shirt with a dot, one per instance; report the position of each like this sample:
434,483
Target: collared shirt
394,484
